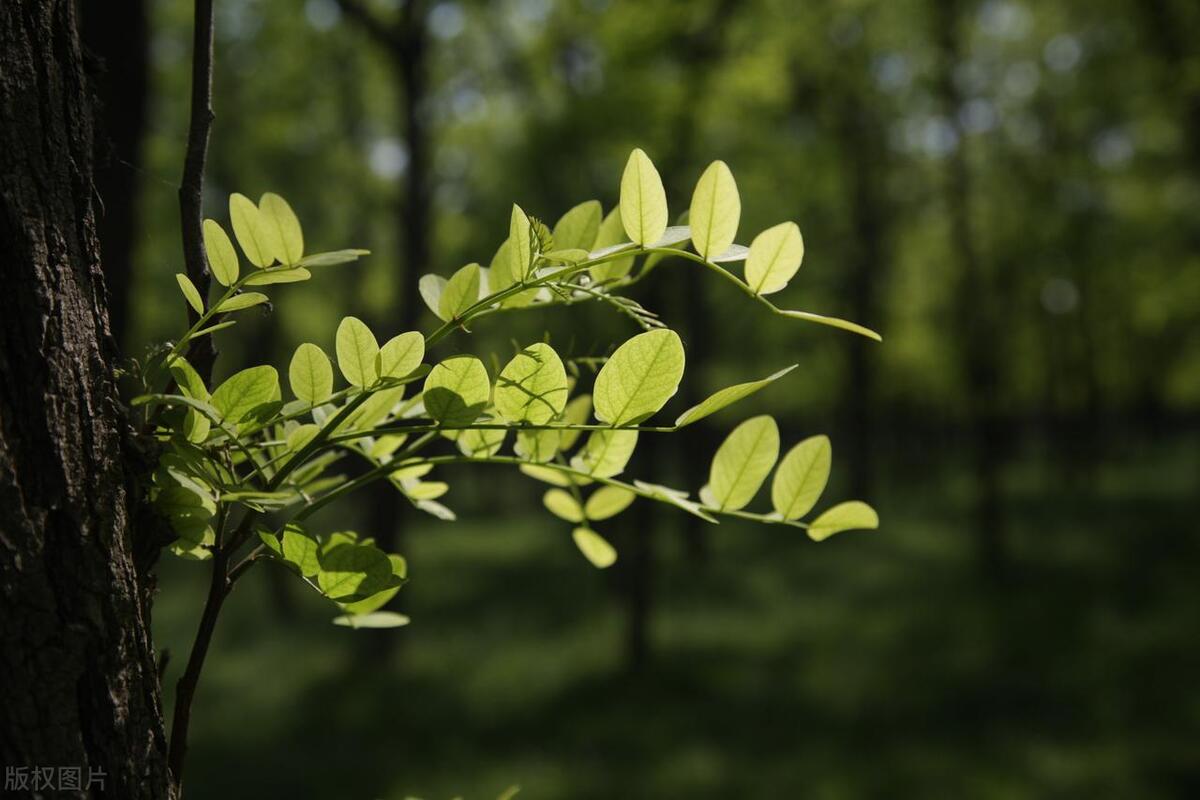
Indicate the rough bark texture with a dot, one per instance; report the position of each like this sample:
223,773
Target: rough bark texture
78,685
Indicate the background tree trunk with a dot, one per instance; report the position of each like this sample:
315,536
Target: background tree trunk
78,683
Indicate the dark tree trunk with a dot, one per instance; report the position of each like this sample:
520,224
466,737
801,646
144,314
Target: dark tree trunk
78,684
118,36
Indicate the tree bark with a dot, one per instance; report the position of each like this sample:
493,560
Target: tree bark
78,684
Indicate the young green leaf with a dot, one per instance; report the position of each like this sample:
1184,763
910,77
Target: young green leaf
222,258
562,505
271,276
244,391
278,215
457,390
639,378
188,380
532,387
520,244
801,477
481,442
461,292
643,199
310,374
775,255
300,549
301,436
190,292
715,211
241,301
332,258
538,445
551,476
611,234
606,453
854,515
727,396
607,501
833,322
743,462
576,413
356,351
577,228
259,242
353,571
594,547
432,287
401,354
375,619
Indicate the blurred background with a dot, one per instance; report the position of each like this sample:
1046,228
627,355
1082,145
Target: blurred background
1006,189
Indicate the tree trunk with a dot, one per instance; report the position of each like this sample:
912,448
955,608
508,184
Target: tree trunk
78,684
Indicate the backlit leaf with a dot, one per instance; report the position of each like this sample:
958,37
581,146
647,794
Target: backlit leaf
726,397
608,501
241,301
520,244
743,462
401,354
850,516
801,477
563,505
715,211
460,293
259,242
222,258
190,293
606,452
300,549
375,619
639,378
432,287
594,547
354,571
775,255
457,390
278,215
578,410
611,234
310,374
278,275
532,387
833,322
356,351
577,229
245,391
643,200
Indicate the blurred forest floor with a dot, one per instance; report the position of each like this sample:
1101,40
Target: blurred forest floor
873,665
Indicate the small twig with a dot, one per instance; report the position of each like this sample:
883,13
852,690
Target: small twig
203,352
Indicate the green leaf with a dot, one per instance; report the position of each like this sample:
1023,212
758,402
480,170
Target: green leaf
190,293
850,516
300,436
801,477
520,244
538,445
551,476
220,326
188,379
608,501
244,391
606,452
457,390
354,571
594,547
775,255
222,258
676,498
332,258
356,352
735,252
715,211
532,387
300,549
481,442
833,322
726,397
310,374
611,234
258,242
562,505
376,619
277,275
639,378
578,227
643,199
241,301
401,355
576,413
460,293
742,463
278,215
432,287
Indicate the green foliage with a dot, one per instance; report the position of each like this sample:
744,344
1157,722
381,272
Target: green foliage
241,453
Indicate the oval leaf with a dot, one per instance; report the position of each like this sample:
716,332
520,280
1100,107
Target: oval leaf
431,288
401,355
639,378
594,547
460,293
257,241
310,374
743,462
727,397
563,505
276,214
643,199
270,276
376,619
775,255
715,211
607,501
854,515
520,244
222,258
801,477
189,292
532,387
356,351
244,391
606,453
577,229
456,390
611,235
242,301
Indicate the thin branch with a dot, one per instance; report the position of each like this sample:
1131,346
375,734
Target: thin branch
203,352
